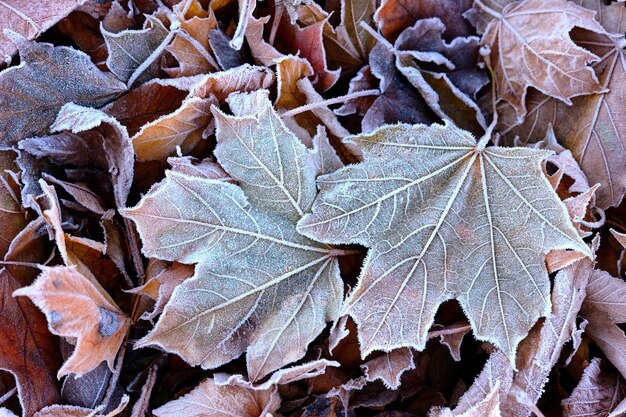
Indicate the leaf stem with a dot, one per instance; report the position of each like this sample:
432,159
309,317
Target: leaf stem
452,330
8,395
336,100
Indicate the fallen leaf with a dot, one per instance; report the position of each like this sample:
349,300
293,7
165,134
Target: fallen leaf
29,352
393,16
308,42
598,392
398,100
161,287
446,74
453,195
75,308
512,36
242,240
29,20
211,400
591,127
98,129
389,367
131,52
191,48
181,129
32,93
604,309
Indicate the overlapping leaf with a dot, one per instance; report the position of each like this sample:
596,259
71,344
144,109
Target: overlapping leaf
443,219
259,286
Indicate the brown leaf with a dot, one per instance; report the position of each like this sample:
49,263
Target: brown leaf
389,367
205,168
191,48
308,41
161,287
398,100
245,78
597,394
75,308
133,53
393,16
100,130
211,400
74,411
29,20
592,127
446,74
31,94
28,350
512,36
145,104
181,129
604,308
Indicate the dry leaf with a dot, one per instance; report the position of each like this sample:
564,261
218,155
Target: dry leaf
181,129
604,308
597,394
130,51
29,20
75,308
29,107
393,16
592,127
435,211
389,367
513,36
242,239
211,400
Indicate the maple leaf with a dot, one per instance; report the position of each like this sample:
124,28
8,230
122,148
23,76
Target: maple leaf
211,400
29,20
247,251
598,392
552,62
32,93
442,218
592,127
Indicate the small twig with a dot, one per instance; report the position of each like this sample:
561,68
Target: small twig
445,332
324,103
26,264
8,395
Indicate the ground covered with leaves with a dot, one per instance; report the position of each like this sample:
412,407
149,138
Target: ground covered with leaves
298,208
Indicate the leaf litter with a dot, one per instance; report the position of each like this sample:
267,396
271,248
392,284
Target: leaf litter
307,208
